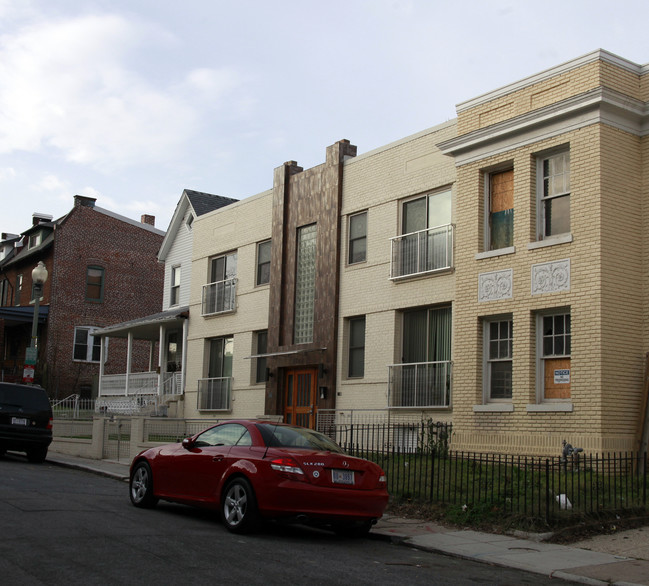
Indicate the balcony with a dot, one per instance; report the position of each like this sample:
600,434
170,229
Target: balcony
420,385
422,252
219,297
215,394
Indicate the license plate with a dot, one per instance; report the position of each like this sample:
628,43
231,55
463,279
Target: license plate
18,421
342,476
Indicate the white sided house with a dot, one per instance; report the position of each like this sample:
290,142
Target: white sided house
162,386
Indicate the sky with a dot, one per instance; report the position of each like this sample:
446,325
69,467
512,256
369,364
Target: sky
132,101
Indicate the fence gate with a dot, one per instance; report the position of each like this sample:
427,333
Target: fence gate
117,439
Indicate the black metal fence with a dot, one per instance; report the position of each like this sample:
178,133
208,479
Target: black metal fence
420,465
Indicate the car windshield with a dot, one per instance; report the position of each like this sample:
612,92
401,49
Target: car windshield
284,436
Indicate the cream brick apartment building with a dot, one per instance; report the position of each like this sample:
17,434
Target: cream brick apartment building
490,272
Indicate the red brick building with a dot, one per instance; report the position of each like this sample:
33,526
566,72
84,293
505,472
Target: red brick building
103,269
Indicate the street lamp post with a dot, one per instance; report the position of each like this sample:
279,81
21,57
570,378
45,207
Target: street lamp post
39,276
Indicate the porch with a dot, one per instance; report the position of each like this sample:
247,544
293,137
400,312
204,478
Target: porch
163,382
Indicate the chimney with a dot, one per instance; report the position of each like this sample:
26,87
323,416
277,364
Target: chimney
38,217
147,219
82,200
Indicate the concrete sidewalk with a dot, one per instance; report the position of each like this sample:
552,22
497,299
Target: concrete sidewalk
556,561
577,564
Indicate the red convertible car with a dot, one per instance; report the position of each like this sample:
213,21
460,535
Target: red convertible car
256,470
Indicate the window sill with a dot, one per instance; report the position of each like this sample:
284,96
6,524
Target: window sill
551,241
494,408
550,408
492,253
352,265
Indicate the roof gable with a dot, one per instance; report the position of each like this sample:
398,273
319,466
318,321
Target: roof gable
200,203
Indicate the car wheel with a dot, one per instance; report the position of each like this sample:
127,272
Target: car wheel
239,507
359,529
141,486
37,455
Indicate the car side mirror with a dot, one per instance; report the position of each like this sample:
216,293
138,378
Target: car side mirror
188,443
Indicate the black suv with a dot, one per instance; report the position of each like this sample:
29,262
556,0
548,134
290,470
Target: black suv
25,420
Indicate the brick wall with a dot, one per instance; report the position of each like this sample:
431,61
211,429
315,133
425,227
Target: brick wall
606,252
132,289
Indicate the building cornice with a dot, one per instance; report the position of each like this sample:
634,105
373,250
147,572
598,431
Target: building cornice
600,105
598,55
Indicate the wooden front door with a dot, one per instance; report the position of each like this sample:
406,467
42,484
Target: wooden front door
300,387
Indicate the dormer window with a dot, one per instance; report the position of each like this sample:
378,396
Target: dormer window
34,240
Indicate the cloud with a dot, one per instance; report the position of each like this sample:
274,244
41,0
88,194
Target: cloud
51,183
7,173
211,84
73,87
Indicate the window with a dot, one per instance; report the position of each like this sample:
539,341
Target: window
501,210
87,347
498,358
305,284
94,284
357,347
214,392
219,295
228,434
174,352
19,288
4,292
174,296
426,240
262,348
189,222
34,240
223,267
263,263
357,238
554,340
424,377
554,195
221,352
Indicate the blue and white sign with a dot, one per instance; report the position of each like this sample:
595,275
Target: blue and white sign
562,376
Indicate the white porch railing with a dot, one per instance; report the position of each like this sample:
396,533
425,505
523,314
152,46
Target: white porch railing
215,394
219,297
131,405
420,384
138,383
172,383
422,252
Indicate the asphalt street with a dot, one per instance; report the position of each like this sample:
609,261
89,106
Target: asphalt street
66,526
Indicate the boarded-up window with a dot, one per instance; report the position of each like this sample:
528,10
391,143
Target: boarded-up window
501,209
556,356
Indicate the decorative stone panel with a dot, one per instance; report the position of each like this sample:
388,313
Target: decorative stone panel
551,277
495,285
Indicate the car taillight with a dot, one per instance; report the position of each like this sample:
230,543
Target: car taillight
49,424
383,480
288,467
